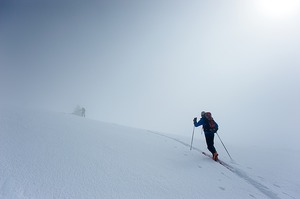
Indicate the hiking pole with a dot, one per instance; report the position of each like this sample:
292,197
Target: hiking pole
192,138
224,146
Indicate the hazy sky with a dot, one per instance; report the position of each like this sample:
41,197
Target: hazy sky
157,64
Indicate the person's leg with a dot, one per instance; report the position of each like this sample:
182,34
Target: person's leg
210,143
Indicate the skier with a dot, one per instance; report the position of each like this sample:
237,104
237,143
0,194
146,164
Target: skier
209,136
83,112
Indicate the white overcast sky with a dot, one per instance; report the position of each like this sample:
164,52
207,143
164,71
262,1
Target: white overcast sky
157,64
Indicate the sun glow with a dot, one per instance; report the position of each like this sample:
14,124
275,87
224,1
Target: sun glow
279,9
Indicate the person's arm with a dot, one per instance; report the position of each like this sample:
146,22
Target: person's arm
199,123
217,126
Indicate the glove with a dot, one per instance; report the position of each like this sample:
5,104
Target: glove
195,120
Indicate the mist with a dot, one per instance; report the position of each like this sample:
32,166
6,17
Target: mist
157,64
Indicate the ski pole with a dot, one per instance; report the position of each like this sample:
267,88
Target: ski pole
224,146
192,138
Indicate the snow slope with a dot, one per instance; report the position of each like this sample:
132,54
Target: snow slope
57,155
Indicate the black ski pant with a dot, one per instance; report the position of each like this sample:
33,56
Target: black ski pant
210,142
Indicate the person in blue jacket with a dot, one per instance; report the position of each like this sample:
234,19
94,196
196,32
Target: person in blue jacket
209,136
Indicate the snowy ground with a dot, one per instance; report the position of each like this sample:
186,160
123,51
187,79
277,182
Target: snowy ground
57,155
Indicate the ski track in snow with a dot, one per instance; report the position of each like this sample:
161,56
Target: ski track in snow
262,188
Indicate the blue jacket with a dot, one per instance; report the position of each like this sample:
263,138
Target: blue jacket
202,122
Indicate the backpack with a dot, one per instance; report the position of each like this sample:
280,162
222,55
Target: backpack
210,125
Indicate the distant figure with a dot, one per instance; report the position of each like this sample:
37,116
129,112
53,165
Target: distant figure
210,127
83,112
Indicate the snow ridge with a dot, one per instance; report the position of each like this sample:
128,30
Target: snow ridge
262,188
53,155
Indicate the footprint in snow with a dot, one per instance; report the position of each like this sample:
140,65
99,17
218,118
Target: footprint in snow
289,195
260,177
275,185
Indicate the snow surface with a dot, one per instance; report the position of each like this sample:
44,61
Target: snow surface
58,155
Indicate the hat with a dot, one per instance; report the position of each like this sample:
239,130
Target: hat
202,113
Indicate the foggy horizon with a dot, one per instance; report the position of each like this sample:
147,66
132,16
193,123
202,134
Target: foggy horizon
157,64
